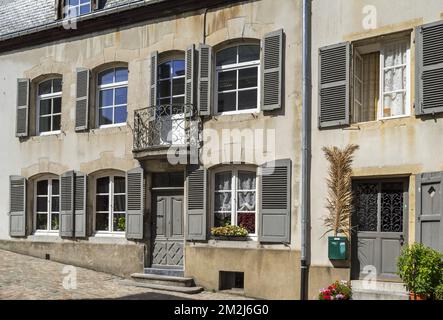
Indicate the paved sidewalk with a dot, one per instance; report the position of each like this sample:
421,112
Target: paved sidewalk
29,278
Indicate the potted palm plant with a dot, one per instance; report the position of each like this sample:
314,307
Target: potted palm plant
339,200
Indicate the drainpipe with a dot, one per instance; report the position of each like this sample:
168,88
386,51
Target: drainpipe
306,150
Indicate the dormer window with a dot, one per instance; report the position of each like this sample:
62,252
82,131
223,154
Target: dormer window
75,8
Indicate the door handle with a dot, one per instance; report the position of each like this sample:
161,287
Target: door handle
402,240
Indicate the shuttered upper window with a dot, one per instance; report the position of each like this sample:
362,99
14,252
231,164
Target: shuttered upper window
171,83
110,204
237,79
47,205
49,106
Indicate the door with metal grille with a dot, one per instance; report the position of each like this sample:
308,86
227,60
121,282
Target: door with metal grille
379,227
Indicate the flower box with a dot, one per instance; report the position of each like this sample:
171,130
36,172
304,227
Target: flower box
230,238
338,248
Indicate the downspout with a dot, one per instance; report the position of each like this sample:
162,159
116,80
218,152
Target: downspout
306,150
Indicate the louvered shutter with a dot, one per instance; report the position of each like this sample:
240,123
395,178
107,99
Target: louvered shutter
82,99
134,203
80,204
334,85
17,206
189,67
429,210
196,228
153,83
272,71
22,108
204,80
429,69
275,202
67,204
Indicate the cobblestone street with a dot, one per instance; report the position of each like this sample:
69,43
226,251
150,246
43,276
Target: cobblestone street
29,278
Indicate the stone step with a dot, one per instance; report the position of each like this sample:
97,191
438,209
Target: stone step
378,295
165,272
378,290
169,288
163,280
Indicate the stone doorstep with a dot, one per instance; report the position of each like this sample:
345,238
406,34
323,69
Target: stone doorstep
170,288
165,272
382,286
163,280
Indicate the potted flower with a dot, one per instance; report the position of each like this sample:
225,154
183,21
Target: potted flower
421,270
340,290
228,232
339,200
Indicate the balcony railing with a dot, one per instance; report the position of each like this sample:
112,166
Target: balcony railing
163,126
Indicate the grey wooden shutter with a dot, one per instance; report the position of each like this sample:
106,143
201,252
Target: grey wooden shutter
17,206
272,71
80,204
204,80
67,204
275,202
153,82
196,227
429,69
334,85
82,99
22,108
429,210
190,63
134,203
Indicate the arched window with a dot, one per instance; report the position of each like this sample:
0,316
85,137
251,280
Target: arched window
112,90
49,106
47,204
237,76
171,82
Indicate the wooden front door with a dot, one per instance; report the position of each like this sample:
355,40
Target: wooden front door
168,231
379,227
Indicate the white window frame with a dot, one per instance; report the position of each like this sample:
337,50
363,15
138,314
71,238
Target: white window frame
110,211
49,230
234,188
237,66
49,96
171,81
74,10
113,86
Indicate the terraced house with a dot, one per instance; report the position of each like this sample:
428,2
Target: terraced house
120,150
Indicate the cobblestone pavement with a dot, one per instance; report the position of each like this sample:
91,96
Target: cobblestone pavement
29,278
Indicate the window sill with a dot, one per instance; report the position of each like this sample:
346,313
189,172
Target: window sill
49,133
233,113
104,234
46,233
116,125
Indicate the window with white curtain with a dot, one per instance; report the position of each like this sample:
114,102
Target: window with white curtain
110,204
47,205
235,199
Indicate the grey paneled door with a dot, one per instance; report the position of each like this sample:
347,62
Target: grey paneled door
380,227
169,231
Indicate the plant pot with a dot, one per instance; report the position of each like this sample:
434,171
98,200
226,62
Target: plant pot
230,238
418,297
338,248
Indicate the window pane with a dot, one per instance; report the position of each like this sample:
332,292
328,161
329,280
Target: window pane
227,56
227,102
55,204
45,124
247,78
121,74
121,115
42,222
57,105
42,187
178,86
106,77
249,53
394,105
119,222
222,219
73,2
45,87
164,88
246,201
55,187
366,206
45,107
179,68
164,70
85,1
57,85
223,181
227,80
247,221
106,116
246,180
56,123
222,201
42,204
119,203
103,185
119,185
121,96
247,99
102,222
178,101
392,207
102,203
163,102
106,98
54,221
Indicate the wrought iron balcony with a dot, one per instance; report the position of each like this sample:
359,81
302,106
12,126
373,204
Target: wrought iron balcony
163,126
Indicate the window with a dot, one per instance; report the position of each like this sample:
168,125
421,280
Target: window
110,204
237,70
47,205
381,81
235,199
77,8
49,106
112,97
171,83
